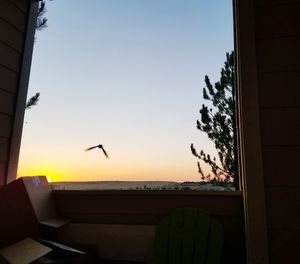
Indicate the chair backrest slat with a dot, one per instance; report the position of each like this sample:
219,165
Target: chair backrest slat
215,242
190,216
176,224
161,242
188,236
201,237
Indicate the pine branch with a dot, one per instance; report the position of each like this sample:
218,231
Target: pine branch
32,101
208,160
41,21
229,89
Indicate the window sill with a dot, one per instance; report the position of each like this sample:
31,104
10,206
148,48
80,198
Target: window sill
148,192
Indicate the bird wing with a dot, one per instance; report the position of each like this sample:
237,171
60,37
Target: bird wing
104,152
91,148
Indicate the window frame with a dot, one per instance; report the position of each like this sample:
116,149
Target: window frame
17,127
251,167
251,164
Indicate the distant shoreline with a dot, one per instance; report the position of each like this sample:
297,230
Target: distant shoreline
137,185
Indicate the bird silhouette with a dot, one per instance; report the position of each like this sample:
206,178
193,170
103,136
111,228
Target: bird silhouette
100,147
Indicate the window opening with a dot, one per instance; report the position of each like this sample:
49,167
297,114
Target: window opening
129,75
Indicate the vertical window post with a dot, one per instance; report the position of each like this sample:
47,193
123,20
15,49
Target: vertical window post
251,168
22,93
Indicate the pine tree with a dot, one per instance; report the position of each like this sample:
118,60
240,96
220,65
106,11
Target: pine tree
218,121
41,23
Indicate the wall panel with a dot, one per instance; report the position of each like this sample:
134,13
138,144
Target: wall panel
280,126
275,2
8,79
283,207
6,125
284,22
279,89
7,103
13,15
3,167
278,54
10,58
21,5
13,24
4,149
11,36
281,165
285,241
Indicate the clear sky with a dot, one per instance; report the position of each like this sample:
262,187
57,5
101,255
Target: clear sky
127,74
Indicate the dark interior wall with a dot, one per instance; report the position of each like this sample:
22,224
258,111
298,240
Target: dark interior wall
277,33
13,21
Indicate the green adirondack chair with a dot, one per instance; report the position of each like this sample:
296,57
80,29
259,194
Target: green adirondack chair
188,236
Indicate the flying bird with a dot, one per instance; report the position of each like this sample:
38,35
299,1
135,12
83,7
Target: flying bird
100,147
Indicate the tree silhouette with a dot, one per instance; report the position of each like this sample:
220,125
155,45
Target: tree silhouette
218,121
41,23
32,101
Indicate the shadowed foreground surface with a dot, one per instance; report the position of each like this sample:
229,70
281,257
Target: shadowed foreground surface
122,223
